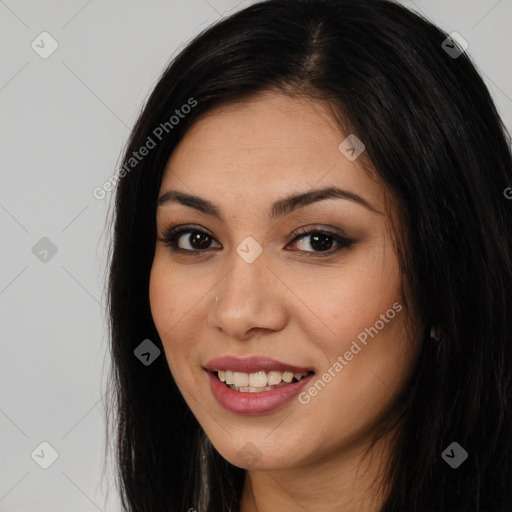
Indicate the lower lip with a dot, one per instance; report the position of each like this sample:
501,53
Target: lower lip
255,403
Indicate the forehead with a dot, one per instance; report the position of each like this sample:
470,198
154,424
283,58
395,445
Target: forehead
266,146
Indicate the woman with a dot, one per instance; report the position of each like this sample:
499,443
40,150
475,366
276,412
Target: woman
311,277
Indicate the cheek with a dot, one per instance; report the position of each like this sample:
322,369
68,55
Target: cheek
353,298
363,323
172,293
166,307
176,301
367,320
160,296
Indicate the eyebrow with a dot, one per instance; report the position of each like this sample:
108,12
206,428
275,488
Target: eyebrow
280,208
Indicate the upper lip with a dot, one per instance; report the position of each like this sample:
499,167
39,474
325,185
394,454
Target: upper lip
252,364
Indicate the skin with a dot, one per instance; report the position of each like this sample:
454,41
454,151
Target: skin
290,304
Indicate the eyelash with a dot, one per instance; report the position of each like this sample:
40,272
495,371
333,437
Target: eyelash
173,234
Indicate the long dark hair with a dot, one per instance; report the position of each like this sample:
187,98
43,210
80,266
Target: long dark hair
434,137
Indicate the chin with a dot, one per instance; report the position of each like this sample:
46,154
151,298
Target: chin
258,455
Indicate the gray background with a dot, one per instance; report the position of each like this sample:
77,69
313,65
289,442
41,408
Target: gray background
64,120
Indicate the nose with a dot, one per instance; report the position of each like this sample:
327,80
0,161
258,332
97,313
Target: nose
249,299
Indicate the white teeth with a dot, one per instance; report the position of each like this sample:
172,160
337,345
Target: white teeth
287,376
274,378
241,379
249,389
258,380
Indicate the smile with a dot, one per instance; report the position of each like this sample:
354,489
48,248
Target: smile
259,381
255,385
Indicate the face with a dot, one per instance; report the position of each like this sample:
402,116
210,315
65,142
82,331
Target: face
312,283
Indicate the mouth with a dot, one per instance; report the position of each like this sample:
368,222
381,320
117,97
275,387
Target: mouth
256,391
256,374
261,381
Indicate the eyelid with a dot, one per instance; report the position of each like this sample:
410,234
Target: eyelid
338,235
174,231
323,228
183,228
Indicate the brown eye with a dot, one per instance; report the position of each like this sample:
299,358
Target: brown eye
193,240
196,240
321,241
185,239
